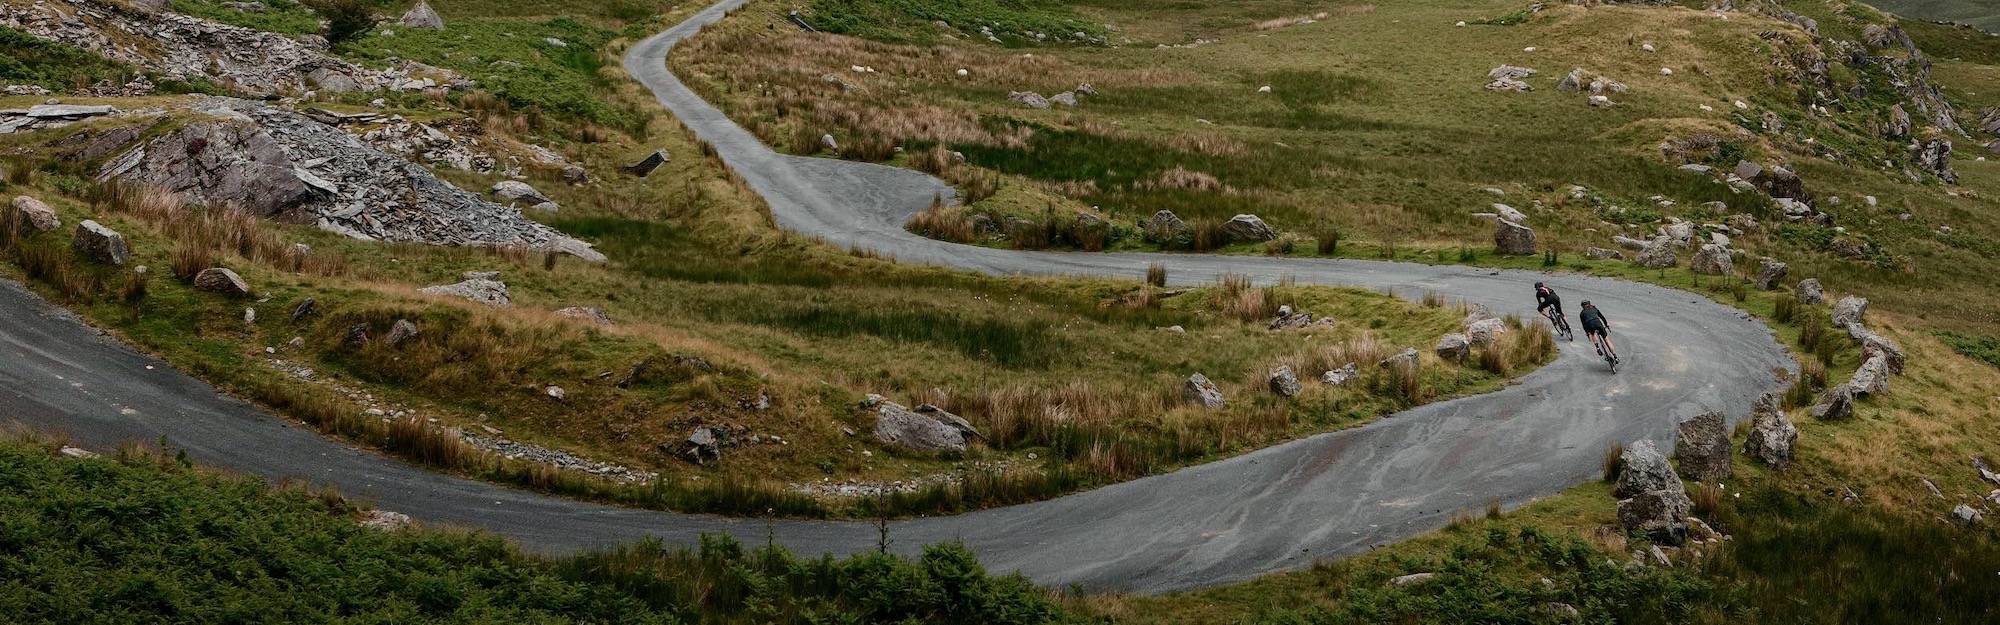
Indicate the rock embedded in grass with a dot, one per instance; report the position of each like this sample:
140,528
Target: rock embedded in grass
1028,99
1651,497
1836,404
1714,260
1657,254
1065,98
384,520
1848,310
1338,377
1810,291
1485,331
100,244
897,426
585,313
1198,390
222,280
484,287
1599,253
422,16
1770,273
32,215
1165,227
1772,435
1513,239
515,191
1406,358
1247,228
1284,382
1871,378
401,332
647,165
1702,446
1454,347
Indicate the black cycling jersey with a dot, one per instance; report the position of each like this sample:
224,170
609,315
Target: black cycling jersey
1593,320
1546,299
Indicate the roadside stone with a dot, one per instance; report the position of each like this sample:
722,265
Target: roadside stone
1836,404
702,447
1770,273
897,426
1713,260
1165,227
647,165
221,280
1338,377
1599,253
1242,228
34,215
400,333
1702,447
1772,435
484,287
1657,254
1810,291
1284,382
1848,310
422,16
384,520
1199,391
1028,99
100,244
1406,358
1485,331
1454,347
1513,239
1871,378
1652,498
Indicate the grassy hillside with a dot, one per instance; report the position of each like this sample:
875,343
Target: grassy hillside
1970,12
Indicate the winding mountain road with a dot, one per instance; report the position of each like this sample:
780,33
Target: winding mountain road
1277,508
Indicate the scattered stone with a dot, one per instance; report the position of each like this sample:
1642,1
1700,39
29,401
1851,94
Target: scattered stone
400,333
1603,254
1602,101
1572,82
77,452
555,392
575,175
1509,213
1338,377
1165,226
100,244
33,215
1412,579
1406,358
1702,447
1871,378
1656,254
422,16
1289,319
1485,331
1772,435
384,520
484,287
250,318
306,308
1848,310
897,426
1065,98
1513,239
1201,392
1508,84
1284,382
1770,273
1246,227
703,447
647,165
1873,344
1714,260
1836,404
1967,515
221,280
590,314
1454,347
1509,72
1652,498
1810,291
515,191
1028,99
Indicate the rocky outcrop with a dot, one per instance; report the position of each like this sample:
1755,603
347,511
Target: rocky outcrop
1810,291
1772,435
283,165
1454,347
31,215
1247,228
1199,391
221,280
100,244
1701,444
1849,310
1933,156
1513,239
1898,125
1284,382
1714,260
1651,497
484,287
1770,274
185,48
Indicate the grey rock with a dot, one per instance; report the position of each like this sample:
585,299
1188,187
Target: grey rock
1873,344
222,162
401,332
1199,391
1600,253
575,174
1406,358
1290,320
1967,515
1242,228
1412,579
77,452
1454,347
950,420
1338,377
305,309
1629,242
827,142
647,165
1508,84
479,286
702,446
1065,98
1702,447
1772,435
1810,291
1652,498
1571,82
221,280
1028,99
422,16
1513,239
1934,156
100,244
1770,274
1509,213
1485,331
1712,260
1165,227
384,520
901,427
519,192
32,215
1509,72
1871,378
1657,254
1284,382
590,314
1848,310
356,336
1898,125
1836,404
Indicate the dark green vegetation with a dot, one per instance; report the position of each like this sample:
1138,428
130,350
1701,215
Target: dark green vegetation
1976,13
288,17
25,59
1984,348
516,60
911,21
144,538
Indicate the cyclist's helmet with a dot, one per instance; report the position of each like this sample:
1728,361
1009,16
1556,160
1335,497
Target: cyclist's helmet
1586,302
1538,285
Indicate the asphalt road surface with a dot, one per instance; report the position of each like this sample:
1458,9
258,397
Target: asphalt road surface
1274,509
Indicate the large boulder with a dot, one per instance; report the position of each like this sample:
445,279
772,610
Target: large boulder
1810,291
1873,344
101,244
31,215
1651,497
901,427
1242,228
1028,99
422,16
1512,238
521,193
484,287
1702,446
1772,435
223,162
1770,273
1284,382
1454,347
647,165
1657,254
1199,391
1871,378
1338,377
1848,310
1836,404
1165,227
221,280
1712,260
1406,358
1485,331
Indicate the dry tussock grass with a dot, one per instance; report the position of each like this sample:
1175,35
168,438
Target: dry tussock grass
1183,179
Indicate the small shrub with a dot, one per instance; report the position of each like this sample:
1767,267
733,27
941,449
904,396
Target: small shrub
1326,239
1281,246
1156,274
1208,235
944,223
1786,309
346,20
1614,461
189,258
133,292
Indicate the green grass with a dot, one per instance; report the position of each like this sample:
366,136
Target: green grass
1984,348
512,59
145,538
911,20
25,59
286,17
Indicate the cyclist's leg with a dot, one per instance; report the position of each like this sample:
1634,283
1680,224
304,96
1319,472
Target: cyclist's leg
1609,347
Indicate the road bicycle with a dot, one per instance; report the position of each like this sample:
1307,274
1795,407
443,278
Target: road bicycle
1561,324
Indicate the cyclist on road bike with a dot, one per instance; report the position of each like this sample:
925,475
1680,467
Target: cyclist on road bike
1596,329
1546,301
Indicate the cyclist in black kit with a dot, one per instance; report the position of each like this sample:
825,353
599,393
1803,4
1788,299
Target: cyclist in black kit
1551,306
1597,329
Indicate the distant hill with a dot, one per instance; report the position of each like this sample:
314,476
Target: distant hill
1981,14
